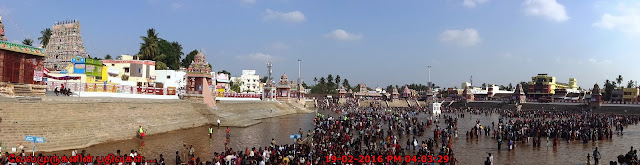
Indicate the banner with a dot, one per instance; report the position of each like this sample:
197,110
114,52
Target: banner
37,75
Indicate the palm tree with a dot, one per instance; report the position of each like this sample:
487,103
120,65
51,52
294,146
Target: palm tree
337,81
178,54
619,80
149,46
46,35
27,42
315,80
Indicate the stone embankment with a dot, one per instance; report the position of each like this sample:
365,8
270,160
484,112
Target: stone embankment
70,123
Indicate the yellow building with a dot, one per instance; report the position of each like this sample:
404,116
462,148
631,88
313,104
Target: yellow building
544,85
140,72
630,94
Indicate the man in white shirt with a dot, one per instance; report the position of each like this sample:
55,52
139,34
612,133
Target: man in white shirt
490,158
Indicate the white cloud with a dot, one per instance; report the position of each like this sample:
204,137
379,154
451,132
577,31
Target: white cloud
279,46
342,35
517,58
176,5
473,3
258,57
248,1
550,9
289,17
466,37
507,55
595,61
627,20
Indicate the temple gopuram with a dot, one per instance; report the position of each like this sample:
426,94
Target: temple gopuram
21,68
200,81
65,44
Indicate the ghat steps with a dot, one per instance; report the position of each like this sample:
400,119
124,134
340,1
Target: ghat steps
76,124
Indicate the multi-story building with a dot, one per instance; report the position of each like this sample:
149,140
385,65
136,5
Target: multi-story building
544,85
65,44
250,81
630,95
142,72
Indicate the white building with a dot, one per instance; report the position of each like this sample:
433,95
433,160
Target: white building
250,81
171,78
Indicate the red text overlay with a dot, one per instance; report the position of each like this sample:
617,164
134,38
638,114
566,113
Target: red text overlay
386,158
55,160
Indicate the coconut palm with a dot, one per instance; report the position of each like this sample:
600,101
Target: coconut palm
619,80
46,35
27,42
149,45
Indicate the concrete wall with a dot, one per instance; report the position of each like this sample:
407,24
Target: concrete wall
74,124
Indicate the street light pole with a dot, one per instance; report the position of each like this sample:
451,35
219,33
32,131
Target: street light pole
429,68
299,75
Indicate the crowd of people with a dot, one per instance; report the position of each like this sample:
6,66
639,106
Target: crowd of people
347,128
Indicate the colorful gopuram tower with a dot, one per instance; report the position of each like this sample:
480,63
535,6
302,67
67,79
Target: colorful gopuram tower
200,85
65,44
2,31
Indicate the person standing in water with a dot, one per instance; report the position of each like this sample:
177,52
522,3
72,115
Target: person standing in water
596,156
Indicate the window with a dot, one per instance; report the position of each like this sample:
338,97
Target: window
126,70
168,76
113,64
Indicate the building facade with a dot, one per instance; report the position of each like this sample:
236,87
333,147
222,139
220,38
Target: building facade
250,81
544,85
141,72
65,44
171,78
20,63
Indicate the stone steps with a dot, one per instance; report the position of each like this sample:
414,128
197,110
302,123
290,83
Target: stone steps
74,123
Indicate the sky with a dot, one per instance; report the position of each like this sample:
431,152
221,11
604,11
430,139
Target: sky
376,42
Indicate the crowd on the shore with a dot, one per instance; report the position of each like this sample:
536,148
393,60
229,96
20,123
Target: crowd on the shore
351,129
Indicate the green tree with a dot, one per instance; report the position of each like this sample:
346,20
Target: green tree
337,81
149,46
169,53
329,79
484,85
525,87
608,89
510,87
315,80
631,84
346,84
107,57
322,81
235,86
389,88
264,79
225,72
161,65
619,80
186,61
44,39
27,42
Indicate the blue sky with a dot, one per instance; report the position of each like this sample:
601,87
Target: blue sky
377,42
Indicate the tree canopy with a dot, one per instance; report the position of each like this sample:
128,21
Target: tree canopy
44,39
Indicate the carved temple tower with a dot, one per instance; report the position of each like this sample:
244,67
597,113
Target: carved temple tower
596,97
65,44
468,95
519,95
2,31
